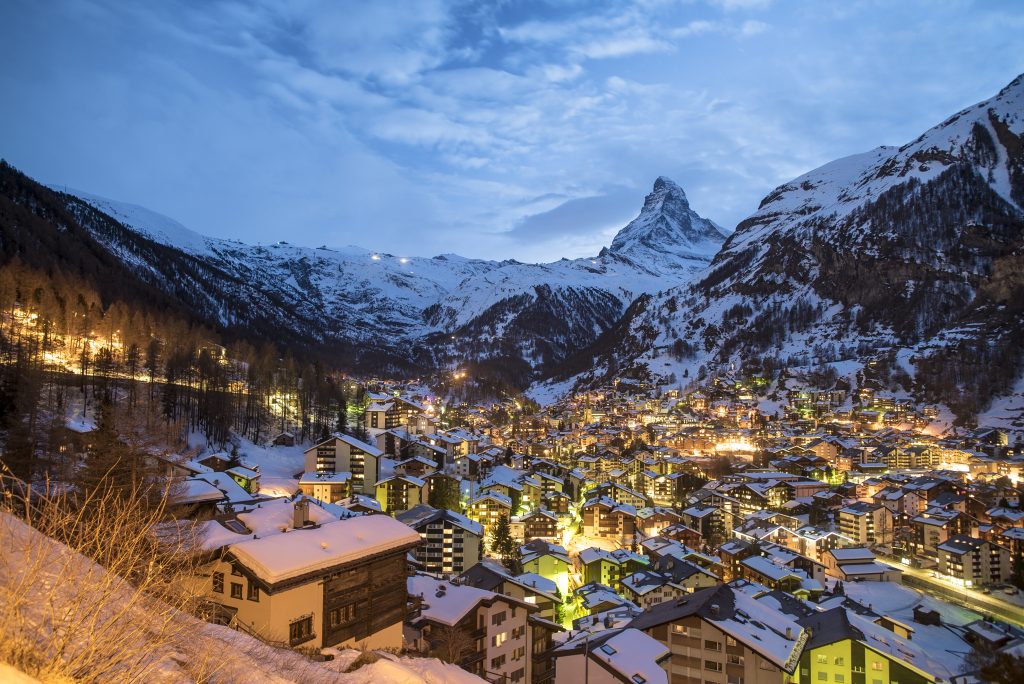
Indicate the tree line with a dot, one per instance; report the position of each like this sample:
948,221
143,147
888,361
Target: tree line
63,350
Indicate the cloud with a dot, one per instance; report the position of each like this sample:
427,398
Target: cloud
494,129
590,215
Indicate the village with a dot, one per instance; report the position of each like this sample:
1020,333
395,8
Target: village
632,533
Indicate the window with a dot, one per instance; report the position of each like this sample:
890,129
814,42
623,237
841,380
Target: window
737,679
840,679
236,590
608,650
218,582
498,618
712,665
497,662
712,645
876,665
301,630
823,659
683,630
341,616
823,676
518,674
499,639
235,571
735,660
729,641
639,679
253,591
839,660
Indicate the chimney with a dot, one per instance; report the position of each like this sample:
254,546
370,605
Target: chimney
789,633
714,609
300,515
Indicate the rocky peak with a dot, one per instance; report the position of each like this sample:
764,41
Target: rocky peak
668,225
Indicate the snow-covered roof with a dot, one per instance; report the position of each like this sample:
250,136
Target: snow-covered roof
194,490
448,603
633,654
321,477
286,556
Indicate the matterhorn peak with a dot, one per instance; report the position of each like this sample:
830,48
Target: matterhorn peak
668,225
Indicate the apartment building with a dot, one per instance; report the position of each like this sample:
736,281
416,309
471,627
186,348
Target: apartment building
451,542
974,562
867,524
343,453
722,636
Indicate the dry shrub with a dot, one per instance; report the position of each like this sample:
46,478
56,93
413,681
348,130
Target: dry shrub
99,598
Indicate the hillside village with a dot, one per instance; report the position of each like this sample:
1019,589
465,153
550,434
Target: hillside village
635,533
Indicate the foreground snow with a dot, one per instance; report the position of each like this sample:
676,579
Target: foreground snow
196,650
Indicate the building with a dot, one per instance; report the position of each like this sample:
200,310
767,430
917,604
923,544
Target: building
487,509
400,493
606,519
325,486
549,561
867,523
337,584
481,631
345,454
973,562
722,635
844,646
858,563
451,542
613,656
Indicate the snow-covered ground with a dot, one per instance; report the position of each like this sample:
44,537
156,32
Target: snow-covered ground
189,647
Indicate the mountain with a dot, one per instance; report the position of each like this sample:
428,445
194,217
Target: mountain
905,263
667,225
380,312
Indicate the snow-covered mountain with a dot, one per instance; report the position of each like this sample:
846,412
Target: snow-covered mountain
435,309
916,247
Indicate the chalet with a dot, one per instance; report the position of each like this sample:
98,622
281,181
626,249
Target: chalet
528,587
605,519
840,638
481,631
488,508
538,524
547,560
337,584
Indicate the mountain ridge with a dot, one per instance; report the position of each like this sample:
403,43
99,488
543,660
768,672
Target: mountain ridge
914,247
444,309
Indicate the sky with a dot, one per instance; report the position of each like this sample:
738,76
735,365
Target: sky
526,130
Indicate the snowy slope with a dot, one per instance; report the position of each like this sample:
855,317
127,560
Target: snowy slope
915,247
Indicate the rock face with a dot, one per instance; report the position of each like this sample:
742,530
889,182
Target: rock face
667,225
391,313
916,247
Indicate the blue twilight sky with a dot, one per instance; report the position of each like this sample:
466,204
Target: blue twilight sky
497,129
